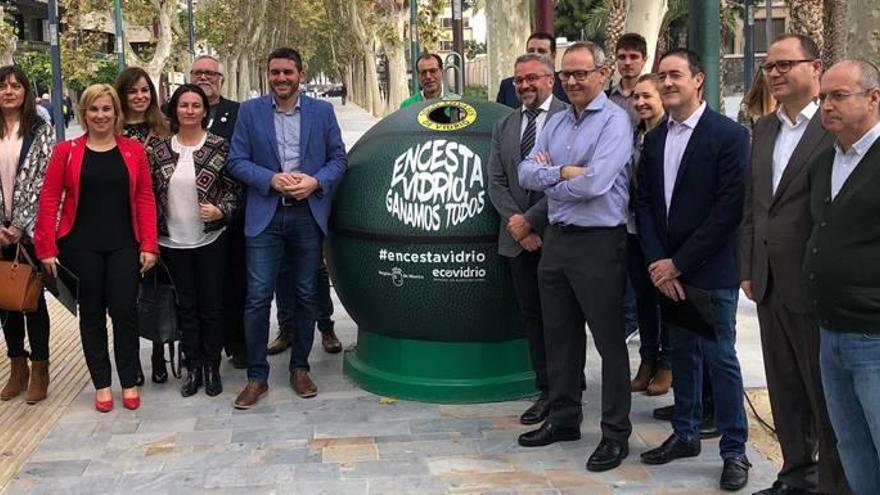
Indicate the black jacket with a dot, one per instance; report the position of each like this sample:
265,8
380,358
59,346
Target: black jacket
223,116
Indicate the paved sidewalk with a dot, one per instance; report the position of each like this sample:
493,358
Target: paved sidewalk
350,442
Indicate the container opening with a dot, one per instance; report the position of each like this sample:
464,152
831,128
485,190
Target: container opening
446,114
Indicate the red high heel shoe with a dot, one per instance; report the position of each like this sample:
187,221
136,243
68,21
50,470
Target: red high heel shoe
104,406
131,403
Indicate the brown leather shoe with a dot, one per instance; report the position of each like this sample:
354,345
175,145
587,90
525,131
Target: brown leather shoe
330,342
661,382
302,384
279,345
37,390
252,393
643,377
18,378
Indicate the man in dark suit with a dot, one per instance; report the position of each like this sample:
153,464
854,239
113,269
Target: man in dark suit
843,270
775,229
524,213
541,43
207,73
287,149
688,210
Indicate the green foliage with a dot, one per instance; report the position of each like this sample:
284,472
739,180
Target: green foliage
38,67
429,24
576,19
476,92
472,49
7,31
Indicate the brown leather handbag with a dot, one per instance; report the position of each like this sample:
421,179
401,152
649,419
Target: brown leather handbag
20,283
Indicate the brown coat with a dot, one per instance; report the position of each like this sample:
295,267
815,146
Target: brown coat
776,227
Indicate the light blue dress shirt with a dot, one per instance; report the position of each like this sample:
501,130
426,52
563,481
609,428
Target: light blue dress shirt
287,127
601,141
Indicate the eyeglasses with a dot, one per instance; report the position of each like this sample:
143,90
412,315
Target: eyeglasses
783,66
840,96
432,71
530,79
578,75
205,73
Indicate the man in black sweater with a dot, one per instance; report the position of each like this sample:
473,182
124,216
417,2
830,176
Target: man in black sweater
843,266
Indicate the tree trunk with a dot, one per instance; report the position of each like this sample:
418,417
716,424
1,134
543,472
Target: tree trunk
614,26
835,31
165,39
365,37
646,17
863,38
232,76
508,25
804,16
244,79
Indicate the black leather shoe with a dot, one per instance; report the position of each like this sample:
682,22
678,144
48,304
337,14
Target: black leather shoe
160,373
664,413
672,449
548,434
213,384
608,455
780,488
735,474
537,412
191,382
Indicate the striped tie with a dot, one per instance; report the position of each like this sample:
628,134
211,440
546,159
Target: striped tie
527,142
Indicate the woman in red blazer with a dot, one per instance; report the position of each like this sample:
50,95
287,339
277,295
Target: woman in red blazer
106,235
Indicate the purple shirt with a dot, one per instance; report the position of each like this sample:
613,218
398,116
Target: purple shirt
601,141
677,138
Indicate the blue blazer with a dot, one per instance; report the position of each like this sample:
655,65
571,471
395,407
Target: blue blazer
701,230
253,158
507,93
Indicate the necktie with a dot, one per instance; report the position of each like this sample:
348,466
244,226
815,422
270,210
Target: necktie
527,142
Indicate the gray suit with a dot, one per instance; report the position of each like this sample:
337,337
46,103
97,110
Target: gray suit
509,199
775,230
505,192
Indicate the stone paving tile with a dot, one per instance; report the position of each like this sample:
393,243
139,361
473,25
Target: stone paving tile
382,469
408,485
54,469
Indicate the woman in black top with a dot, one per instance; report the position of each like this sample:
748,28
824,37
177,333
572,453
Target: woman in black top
25,144
144,121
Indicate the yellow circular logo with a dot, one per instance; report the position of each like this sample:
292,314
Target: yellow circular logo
467,115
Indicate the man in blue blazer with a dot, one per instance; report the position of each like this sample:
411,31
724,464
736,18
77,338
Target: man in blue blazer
688,210
541,43
287,149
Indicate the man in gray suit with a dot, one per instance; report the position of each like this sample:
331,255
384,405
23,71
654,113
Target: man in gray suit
776,226
524,213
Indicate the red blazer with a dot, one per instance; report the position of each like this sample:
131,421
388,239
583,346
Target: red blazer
63,176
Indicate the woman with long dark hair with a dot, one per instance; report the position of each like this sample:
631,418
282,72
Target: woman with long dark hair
144,121
105,235
195,198
25,145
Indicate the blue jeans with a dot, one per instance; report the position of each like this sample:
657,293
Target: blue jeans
654,339
850,367
284,300
689,354
292,230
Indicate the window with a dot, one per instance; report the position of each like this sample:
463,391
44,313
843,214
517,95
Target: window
446,46
446,23
761,33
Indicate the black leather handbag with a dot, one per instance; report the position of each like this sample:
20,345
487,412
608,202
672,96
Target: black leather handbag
157,312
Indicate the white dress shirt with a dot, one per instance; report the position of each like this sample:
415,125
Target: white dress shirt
539,119
845,162
790,134
677,137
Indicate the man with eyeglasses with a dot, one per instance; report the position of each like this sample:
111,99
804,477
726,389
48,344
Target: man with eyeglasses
542,44
689,205
581,164
776,226
430,74
524,213
843,268
207,73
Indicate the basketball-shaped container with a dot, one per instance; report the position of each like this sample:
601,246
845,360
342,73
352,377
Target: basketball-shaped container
413,255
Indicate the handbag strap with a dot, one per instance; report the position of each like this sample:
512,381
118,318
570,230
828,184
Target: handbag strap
21,252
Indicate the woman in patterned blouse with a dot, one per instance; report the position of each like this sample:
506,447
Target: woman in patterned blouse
195,199
144,121
25,145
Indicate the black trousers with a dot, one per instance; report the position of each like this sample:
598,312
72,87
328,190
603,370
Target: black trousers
198,276
790,342
524,272
582,278
107,280
234,290
37,321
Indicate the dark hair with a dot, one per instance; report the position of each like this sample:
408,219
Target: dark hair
289,54
428,56
632,41
29,120
541,35
808,46
175,99
153,116
691,57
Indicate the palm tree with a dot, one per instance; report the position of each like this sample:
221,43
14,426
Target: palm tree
835,23
804,16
